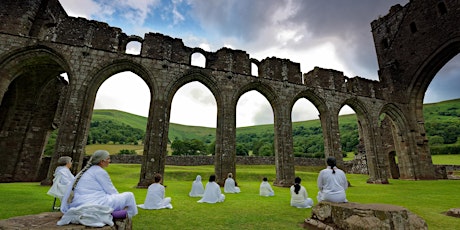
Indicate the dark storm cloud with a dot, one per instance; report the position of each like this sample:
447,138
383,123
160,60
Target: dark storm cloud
257,24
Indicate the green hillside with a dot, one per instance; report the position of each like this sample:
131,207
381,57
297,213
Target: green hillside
441,122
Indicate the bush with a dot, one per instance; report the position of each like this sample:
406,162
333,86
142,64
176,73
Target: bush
445,149
127,152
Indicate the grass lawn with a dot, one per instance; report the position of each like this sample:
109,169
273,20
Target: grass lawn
247,210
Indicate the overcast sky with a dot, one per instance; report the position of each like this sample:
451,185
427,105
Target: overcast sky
333,34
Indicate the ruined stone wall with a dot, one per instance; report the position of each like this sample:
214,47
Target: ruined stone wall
46,42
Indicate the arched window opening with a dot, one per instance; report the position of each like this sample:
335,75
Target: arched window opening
65,77
199,60
393,163
413,27
352,144
385,43
441,100
133,47
307,132
254,109
193,105
254,70
442,9
122,95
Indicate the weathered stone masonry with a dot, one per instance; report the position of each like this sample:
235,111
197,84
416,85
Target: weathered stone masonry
39,41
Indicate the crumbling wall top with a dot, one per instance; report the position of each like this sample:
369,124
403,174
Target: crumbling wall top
280,69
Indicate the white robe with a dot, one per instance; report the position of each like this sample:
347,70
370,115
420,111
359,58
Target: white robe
266,189
62,178
300,200
95,187
332,186
212,194
197,188
230,187
155,198
88,215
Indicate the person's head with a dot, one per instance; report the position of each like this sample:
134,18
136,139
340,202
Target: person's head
101,158
265,179
230,175
198,178
65,160
297,180
332,162
212,178
157,178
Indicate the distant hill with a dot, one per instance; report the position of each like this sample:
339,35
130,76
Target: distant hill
442,122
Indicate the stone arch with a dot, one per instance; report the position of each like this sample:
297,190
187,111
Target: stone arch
154,159
367,128
19,61
31,102
283,147
95,80
396,135
190,76
325,118
427,71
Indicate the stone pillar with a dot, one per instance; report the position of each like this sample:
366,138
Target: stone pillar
284,159
331,135
225,154
74,128
369,129
155,144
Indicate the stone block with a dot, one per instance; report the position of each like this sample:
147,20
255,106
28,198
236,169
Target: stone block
48,220
327,215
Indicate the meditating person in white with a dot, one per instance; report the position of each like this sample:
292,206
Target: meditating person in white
212,193
93,186
332,183
62,177
299,195
230,185
265,188
155,198
197,188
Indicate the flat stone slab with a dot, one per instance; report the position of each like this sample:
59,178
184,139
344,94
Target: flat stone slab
48,220
328,215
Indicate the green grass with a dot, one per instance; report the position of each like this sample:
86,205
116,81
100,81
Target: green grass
247,210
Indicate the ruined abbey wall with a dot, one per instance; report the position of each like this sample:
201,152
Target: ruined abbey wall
39,41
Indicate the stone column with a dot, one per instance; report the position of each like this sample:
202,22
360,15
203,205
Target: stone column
74,128
155,143
374,152
225,153
284,159
331,135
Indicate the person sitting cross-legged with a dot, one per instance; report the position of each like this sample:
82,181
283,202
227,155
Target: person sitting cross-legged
212,193
265,188
299,195
155,198
230,185
197,188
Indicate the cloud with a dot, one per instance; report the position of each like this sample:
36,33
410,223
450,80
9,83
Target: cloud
329,34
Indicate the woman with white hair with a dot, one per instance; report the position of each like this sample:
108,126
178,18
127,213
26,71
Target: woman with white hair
93,186
62,178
